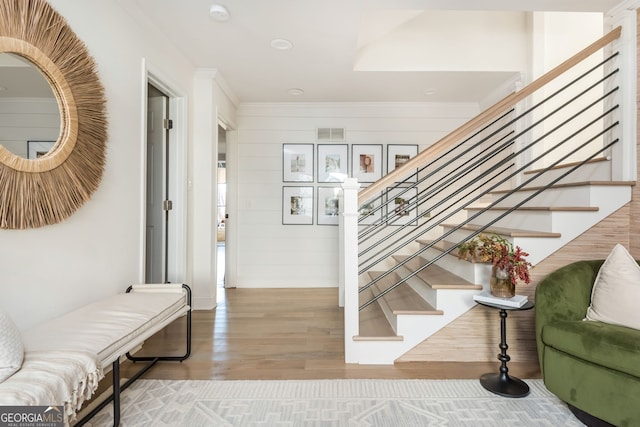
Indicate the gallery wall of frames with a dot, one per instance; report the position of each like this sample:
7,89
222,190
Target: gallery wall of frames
312,174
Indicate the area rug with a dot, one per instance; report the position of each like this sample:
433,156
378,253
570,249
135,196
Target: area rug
357,403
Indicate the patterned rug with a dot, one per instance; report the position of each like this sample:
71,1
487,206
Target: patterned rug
357,403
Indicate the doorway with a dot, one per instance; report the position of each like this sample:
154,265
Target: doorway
164,173
221,213
158,205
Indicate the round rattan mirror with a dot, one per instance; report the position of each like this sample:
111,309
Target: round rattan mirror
47,190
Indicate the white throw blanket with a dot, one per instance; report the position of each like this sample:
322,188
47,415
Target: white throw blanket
53,378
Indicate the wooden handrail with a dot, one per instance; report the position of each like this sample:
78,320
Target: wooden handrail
507,102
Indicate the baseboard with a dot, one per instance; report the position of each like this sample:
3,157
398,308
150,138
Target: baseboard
202,303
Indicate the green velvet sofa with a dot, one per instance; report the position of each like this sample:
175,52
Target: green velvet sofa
592,366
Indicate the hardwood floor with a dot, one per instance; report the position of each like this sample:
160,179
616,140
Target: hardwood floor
284,334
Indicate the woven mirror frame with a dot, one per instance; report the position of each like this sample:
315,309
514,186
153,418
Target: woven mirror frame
49,189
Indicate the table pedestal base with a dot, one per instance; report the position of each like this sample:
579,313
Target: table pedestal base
504,385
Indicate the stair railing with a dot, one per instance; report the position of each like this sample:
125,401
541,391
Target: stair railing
528,128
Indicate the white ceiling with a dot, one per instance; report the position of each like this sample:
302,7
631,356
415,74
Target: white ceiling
344,50
329,38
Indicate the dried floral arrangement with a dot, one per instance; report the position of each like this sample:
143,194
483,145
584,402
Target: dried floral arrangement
500,253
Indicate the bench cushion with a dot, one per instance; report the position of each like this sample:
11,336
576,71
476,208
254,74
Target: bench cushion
110,327
612,346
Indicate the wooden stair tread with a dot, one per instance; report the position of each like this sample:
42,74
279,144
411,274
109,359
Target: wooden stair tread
571,184
441,245
403,299
540,208
374,325
508,232
437,277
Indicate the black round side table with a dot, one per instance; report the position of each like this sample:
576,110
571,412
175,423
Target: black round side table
502,383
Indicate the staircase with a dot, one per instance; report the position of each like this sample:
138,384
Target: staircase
483,177
443,291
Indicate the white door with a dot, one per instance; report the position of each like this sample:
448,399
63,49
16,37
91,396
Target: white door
158,205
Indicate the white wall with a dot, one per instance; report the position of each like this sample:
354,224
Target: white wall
274,255
211,103
453,41
97,251
557,36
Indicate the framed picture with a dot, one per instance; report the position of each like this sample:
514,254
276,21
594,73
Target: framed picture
366,162
328,205
333,163
297,205
297,162
36,149
401,206
398,155
371,211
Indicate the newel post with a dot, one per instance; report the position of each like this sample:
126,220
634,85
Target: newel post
623,155
348,264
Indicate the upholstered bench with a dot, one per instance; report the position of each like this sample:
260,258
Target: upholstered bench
65,358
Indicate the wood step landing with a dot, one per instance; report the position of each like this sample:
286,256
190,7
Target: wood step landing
435,276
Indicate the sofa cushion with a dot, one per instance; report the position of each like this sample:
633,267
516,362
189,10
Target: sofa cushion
612,346
616,291
11,349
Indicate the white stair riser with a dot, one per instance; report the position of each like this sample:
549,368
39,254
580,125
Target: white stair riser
599,171
460,234
583,196
568,196
471,272
547,221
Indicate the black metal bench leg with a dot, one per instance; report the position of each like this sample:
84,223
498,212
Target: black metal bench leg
116,393
114,397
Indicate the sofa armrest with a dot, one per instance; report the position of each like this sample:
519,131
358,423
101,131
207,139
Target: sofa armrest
564,294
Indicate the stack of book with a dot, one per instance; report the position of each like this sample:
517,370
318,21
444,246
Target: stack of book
515,301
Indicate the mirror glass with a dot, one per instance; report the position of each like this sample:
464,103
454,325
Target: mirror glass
29,113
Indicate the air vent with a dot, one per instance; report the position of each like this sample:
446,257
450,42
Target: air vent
330,134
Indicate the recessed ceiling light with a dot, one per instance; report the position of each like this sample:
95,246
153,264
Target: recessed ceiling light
295,91
281,44
219,13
